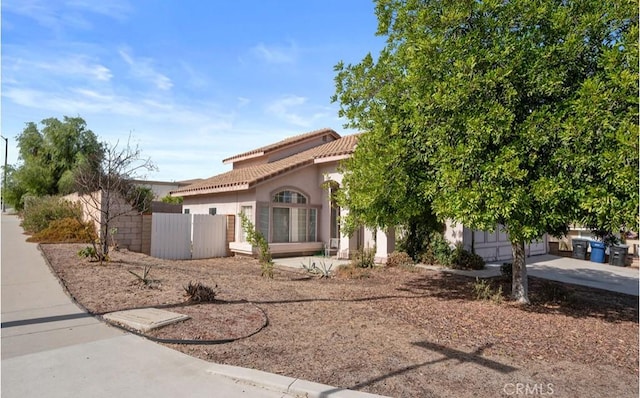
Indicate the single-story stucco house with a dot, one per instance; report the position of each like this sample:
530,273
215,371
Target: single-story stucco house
285,190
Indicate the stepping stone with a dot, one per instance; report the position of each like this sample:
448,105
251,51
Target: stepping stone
145,319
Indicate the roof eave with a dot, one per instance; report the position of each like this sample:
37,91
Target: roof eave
329,159
214,189
234,159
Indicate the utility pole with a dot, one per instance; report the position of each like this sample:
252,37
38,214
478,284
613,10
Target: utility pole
4,179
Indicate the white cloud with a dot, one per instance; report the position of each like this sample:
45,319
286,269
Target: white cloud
242,101
116,9
59,16
72,101
142,68
25,68
294,109
276,54
194,78
75,65
282,109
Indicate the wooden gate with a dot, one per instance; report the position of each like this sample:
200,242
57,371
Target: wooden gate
209,236
187,236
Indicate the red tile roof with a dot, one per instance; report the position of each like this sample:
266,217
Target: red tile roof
288,141
247,177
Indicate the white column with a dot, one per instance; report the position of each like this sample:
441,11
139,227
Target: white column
454,233
385,244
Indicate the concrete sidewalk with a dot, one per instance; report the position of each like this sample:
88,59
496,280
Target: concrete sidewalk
51,348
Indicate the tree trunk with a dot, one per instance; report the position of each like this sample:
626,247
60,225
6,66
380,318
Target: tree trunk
106,207
519,284
106,210
105,239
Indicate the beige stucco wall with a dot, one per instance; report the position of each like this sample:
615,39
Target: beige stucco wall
228,203
90,205
309,181
127,226
225,203
304,180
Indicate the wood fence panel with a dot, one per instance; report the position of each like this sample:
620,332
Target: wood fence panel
209,236
171,236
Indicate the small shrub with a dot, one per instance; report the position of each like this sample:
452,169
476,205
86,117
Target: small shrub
65,230
497,296
257,239
324,270
463,259
506,270
438,251
39,212
88,252
483,291
199,293
364,258
266,269
351,271
400,259
144,278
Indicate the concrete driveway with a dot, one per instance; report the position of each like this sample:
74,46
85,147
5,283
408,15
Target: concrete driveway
587,273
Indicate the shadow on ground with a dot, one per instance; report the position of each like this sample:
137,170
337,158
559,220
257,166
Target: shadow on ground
546,296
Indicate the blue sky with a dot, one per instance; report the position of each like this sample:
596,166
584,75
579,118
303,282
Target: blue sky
193,81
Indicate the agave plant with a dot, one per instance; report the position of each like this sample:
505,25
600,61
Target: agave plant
199,293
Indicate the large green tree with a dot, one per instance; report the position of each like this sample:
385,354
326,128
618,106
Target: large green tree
520,115
49,158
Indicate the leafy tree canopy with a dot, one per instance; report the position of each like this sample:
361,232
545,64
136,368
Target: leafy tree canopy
49,158
176,200
521,114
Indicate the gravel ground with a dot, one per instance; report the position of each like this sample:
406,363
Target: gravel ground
391,331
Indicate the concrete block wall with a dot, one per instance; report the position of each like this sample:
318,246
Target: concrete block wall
129,231
146,234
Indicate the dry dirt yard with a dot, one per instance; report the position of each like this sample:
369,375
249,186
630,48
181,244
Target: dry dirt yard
390,331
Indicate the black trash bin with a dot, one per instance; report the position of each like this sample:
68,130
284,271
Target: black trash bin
618,255
579,248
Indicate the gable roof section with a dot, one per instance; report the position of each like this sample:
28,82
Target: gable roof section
248,177
280,144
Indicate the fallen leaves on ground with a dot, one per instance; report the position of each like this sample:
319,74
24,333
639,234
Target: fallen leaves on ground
393,331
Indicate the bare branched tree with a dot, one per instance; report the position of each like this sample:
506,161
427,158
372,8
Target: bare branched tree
108,191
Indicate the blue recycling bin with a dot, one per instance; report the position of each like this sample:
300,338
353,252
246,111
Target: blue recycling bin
597,251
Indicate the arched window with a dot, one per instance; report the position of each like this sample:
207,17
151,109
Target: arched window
292,219
289,197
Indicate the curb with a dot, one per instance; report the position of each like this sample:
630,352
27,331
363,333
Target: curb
270,381
285,384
